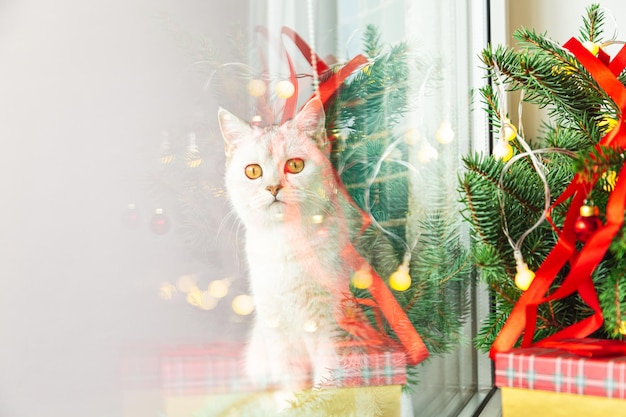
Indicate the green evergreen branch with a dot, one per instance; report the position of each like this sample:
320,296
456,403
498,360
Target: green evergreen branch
592,24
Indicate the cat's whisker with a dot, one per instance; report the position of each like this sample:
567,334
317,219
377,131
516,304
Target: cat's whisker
224,221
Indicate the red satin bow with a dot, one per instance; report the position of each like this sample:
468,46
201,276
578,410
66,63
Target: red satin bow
582,263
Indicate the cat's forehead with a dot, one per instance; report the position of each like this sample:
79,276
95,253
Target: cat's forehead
285,140
274,142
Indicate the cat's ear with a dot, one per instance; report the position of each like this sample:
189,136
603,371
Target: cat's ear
311,120
233,129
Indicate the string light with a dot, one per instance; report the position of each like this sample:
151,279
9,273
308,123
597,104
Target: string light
412,136
194,297
362,278
243,305
592,47
503,151
317,218
285,89
427,153
508,132
445,133
186,283
400,280
524,275
256,87
218,288
207,302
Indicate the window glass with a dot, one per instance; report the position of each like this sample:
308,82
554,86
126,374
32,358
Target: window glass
128,242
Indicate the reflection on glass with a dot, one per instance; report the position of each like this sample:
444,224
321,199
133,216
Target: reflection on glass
331,256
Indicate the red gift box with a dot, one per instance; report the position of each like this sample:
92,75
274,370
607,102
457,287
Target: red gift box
554,370
218,368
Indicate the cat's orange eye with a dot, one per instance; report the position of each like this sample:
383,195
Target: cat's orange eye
253,171
295,165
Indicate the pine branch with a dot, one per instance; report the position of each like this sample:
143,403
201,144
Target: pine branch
371,41
551,77
580,114
593,24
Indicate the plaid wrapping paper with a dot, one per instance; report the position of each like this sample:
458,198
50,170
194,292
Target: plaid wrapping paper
218,369
558,371
194,370
371,369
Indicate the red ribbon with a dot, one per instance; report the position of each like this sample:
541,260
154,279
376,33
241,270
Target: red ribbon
328,87
582,264
382,298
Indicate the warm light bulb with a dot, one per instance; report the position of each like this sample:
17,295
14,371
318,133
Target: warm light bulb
218,288
317,218
445,133
243,305
412,136
194,297
207,302
400,280
508,132
592,47
524,276
256,87
186,283
502,151
362,279
427,153
285,89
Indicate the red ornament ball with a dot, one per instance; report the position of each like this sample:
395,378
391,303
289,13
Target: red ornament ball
587,223
159,223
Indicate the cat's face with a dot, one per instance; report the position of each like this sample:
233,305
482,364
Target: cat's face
278,174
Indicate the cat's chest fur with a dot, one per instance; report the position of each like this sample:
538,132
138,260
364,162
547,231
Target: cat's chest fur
292,266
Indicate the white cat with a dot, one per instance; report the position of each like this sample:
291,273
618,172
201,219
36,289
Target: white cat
283,187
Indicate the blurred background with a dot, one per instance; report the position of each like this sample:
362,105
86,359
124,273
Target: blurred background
87,92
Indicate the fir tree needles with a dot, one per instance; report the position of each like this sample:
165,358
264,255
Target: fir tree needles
580,113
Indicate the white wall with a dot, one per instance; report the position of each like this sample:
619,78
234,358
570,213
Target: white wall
561,20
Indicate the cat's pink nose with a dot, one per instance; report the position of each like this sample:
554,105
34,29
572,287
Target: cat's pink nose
273,189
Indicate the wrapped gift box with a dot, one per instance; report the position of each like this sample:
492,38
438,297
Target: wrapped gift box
208,380
550,382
